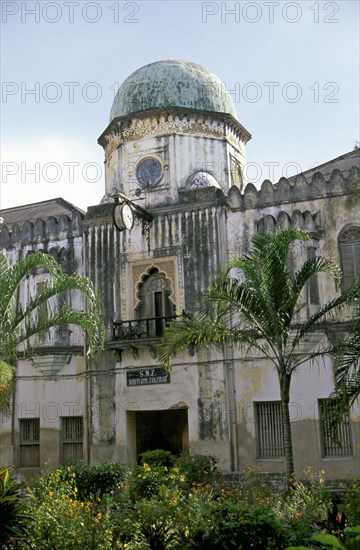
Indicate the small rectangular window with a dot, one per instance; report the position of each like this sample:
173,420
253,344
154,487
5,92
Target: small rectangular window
29,442
313,281
290,263
270,431
71,439
343,445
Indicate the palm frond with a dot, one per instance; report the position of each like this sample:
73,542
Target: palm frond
41,312
6,376
347,363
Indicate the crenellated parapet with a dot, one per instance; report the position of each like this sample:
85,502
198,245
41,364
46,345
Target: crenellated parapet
294,190
42,230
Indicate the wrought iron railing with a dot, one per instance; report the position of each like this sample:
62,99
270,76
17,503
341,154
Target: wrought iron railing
135,329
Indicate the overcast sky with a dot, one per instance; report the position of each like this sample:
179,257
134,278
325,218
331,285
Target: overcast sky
291,67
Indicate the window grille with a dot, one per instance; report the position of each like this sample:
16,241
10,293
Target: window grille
71,439
270,431
342,446
30,443
349,249
313,288
290,263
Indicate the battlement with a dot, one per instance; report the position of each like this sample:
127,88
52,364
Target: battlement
294,190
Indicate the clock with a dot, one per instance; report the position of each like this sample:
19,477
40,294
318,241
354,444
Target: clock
149,171
123,217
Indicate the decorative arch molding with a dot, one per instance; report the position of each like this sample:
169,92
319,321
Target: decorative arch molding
150,272
306,220
165,267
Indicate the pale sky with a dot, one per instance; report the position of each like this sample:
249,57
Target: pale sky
292,69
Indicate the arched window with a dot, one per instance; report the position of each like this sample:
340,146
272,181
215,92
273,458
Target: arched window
154,301
349,249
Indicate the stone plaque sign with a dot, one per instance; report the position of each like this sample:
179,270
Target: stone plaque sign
147,377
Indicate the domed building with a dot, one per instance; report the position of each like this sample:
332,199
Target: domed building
175,209
169,120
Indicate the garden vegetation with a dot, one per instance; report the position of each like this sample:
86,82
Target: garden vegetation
182,503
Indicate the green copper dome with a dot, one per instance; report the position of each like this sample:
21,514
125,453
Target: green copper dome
172,83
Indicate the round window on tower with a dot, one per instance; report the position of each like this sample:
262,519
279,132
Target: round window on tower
149,171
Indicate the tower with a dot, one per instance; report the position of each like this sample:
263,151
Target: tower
174,141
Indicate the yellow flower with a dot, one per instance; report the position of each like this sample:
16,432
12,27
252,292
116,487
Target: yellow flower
50,493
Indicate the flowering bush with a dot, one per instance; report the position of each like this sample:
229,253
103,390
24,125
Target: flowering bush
197,469
304,509
352,501
60,520
158,457
182,506
94,480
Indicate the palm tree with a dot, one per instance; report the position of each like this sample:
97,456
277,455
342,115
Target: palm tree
347,373
259,309
19,326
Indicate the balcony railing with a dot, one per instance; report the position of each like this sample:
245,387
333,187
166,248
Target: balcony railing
136,329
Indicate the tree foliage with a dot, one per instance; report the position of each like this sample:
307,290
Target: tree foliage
259,308
347,372
18,325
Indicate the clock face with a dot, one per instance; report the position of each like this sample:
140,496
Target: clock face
123,217
149,171
127,216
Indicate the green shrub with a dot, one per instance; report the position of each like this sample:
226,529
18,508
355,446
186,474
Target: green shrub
304,508
159,522
352,502
256,487
231,525
350,540
95,479
61,520
145,481
13,520
158,457
110,506
198,469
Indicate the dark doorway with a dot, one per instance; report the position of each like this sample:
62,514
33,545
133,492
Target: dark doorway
166,430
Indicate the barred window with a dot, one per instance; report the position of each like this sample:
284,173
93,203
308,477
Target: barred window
342,445
29,442
270,430
313,290
71,439
349,249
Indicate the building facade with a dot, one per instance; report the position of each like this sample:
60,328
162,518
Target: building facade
174,146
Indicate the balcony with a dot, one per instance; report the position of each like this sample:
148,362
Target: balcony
140,329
